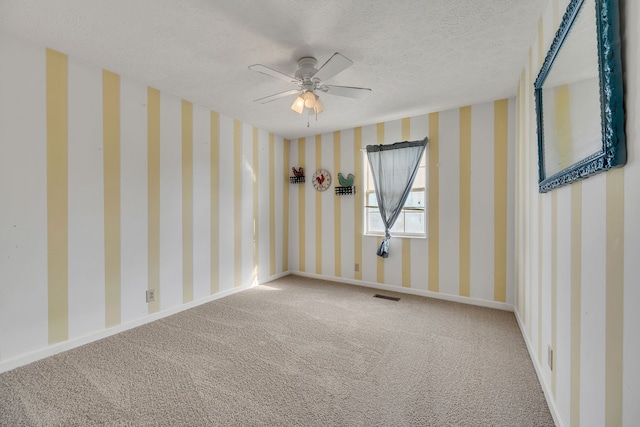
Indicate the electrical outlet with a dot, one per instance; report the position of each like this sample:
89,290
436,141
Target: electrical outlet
151,295
357,267
550,357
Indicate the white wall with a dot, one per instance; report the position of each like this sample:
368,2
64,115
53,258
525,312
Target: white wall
414,257
577,259
25,290
23,219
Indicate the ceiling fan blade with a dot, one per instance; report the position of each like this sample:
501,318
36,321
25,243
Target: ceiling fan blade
271,72
276,96
348,91
334,65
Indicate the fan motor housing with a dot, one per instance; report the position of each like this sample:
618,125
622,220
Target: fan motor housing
306,67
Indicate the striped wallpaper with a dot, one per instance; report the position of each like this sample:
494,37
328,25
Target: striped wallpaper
110,188
470,206
577,257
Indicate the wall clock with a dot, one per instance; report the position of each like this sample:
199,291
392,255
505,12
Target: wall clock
321,179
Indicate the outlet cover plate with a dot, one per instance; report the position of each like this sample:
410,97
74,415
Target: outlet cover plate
151,295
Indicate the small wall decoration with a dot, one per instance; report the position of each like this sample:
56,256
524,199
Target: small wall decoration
321,179
346,185
298,175
345,191
346,182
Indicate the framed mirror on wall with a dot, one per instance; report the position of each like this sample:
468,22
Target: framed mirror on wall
579,96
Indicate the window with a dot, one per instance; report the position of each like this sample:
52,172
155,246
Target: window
412,222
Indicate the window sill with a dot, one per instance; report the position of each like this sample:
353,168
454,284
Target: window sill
397,236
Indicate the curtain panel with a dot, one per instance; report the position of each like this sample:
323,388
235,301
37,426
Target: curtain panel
393,168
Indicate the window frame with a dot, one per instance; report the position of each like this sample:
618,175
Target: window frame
416,187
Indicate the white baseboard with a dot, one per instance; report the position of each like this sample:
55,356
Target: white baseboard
546,389
24,359
9,364
274,277
411,291
465,300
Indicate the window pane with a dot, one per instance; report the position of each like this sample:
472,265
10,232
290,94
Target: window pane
370,184
415,199
420,177
375,220
414,222
398,227
408,222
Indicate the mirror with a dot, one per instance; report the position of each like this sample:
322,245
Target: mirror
579,97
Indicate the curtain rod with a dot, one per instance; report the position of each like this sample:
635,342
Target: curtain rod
419,140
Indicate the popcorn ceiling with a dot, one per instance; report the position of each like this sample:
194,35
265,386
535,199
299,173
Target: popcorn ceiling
418,56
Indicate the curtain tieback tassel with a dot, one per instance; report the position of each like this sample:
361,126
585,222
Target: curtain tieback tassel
383,250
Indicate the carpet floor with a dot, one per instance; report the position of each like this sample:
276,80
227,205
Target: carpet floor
293,352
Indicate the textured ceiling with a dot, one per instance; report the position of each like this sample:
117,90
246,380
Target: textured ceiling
417,56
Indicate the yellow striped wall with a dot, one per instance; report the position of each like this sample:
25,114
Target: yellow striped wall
57,195
358,164
272,205
111,188
337,208
318,207
469,234
433,219
153,196
576,255
214,201
187,201
255,218
238,241
406,243
285,204
112,232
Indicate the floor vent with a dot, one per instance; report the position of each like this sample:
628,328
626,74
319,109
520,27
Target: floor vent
386,297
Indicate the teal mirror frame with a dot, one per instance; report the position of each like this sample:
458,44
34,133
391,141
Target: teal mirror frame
613,152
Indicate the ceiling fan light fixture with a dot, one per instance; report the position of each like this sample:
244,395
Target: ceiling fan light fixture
309,99
298,105
319,106
308,79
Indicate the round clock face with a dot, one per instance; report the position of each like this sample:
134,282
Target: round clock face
321,179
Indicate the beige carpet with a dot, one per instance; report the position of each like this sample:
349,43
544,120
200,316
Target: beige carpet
296,351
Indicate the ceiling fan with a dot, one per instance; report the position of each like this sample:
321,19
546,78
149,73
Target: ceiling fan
309,79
